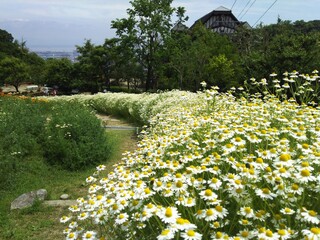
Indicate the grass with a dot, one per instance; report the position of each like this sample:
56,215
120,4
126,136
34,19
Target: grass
39,221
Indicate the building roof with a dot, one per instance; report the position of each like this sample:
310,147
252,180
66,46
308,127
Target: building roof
218,11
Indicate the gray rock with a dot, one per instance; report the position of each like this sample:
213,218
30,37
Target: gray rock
64,196
28,199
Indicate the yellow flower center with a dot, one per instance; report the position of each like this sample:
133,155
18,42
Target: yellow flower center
147,191
219,208
295,187
247,209
282,170
99,197
238,190
269,233
208,193
305,164
71,235
218,235
285,157
305,173
287,210
214,180
281,232
179,184
165,232
209,212
244,233
245,221
88,235
266,191
216,224
168,212
191,233
312,213
259,160
121,216
238,181
229,145
315,230
268,169
180,221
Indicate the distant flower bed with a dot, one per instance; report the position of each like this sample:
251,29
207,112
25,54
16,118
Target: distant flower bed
209,166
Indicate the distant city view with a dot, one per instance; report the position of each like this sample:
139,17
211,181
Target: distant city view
58,54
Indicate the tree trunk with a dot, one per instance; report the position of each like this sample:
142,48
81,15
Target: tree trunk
16,87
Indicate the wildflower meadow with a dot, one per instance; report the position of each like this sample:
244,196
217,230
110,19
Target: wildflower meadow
209,165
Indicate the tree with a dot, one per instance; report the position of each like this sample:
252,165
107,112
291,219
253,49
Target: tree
280,47
175,58
200,55
146,29
14,71
59,73
95,63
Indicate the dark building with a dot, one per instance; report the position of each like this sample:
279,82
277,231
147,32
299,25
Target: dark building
221,20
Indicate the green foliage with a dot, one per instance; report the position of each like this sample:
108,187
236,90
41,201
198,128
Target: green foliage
280,47
73,138
25,129
200,55
146,28
21,123
59,72
14,71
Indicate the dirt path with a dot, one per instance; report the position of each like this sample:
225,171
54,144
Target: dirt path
111,121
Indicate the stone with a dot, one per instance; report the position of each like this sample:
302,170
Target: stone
64,196
28,199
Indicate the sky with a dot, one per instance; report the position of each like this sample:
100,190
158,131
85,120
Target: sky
63,24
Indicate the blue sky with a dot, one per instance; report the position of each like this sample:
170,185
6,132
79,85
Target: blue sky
62,24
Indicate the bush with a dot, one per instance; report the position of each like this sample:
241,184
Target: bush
73,137
21,122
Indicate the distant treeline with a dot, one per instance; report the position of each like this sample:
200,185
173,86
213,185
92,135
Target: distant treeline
153,57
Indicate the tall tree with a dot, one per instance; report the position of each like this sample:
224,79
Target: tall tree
59,73
146,28
14,71
95,63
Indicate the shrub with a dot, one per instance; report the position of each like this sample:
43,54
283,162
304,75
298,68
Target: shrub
73,137
21,122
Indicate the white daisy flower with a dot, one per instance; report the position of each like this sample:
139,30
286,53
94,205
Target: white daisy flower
312,233
166,234
310,216
89,235
122,218
265,193
208,194
191,235
169,214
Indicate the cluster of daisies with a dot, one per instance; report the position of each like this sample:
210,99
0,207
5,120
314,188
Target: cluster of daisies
302,88
210,166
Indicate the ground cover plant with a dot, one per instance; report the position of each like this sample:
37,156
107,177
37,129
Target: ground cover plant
209,166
